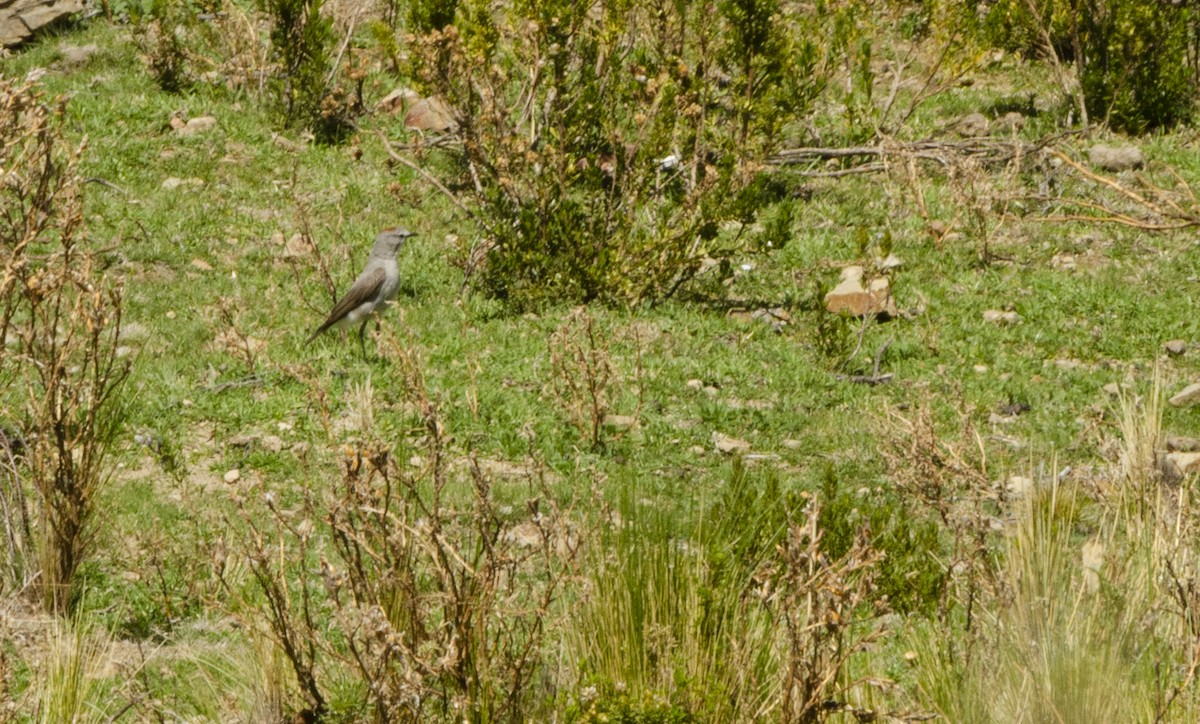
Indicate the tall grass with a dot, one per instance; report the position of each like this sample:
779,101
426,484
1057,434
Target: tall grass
68,684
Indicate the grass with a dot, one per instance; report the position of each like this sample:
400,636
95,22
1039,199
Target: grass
186,249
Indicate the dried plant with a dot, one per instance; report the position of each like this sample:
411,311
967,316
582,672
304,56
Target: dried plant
60,316
824,608
436,601
581,374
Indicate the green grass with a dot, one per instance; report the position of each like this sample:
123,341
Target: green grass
489,370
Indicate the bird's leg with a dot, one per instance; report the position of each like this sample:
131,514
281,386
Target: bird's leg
362,340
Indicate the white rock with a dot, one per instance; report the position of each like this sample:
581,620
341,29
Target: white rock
1189,395
232,476
997,316
729,445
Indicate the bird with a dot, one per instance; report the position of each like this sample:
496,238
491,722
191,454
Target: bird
374,288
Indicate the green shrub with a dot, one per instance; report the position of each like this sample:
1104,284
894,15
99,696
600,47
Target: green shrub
606,149
1135,73
908,575
1131,56
301,40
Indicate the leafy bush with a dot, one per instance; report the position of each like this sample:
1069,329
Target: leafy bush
606,149
908,542
1131,56
301,40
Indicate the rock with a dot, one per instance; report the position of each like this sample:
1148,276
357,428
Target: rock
1183,444
1116,158
296,247
525,535
972,125
777,317
232,476
134,332
19,19
696,385
729,445
853,297
173,183
1112,389
1175,347
1018,485
75,56
430,114
274,443
398,101
1189,395
1008,123
619,422
197,125
1175,466
891,262
996,316
286,144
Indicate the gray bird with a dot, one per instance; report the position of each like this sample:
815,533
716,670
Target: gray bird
374,288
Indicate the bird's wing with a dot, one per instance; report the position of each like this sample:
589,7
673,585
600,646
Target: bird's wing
364,290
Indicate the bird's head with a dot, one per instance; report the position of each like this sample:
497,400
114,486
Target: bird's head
389,241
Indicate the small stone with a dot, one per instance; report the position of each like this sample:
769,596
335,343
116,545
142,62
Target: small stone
890,262
197,125
232,476
398,101
525,535
201,264
1008,123
997,316
1116,158
1018,485
416,461
973,125
1176,466
1189,395
1183,444
980,368
134,332
851,296
274,443
1175,347
297,246
1112,389
793,444
76,56
170,314
729,445
696,385
619,422
172,183
430,114
286,144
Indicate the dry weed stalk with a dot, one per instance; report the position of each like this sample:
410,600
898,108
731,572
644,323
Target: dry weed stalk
1150,207
824,607
583,379
950,479
59,322
432,598
443,603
